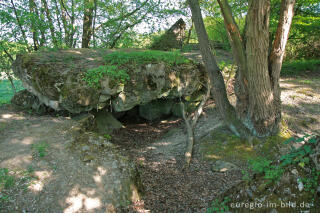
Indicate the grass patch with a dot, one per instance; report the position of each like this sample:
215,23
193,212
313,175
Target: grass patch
299,67
118,64
6,91
6,180
13,181
40,149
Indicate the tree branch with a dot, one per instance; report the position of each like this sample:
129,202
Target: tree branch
6,52
281,37
234,35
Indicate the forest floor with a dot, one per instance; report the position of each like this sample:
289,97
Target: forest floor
56,181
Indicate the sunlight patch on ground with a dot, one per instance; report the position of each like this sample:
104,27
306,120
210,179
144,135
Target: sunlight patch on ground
74,51
98,177
17,161
151,148
164,143
12,116
38,185
27,140
212,156
244,147
6,116
79,201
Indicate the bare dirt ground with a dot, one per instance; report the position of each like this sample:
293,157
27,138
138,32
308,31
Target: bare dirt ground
63,183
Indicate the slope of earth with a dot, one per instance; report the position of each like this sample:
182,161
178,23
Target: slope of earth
39,173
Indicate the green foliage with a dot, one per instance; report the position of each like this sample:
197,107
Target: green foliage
311,183
6,91
12,180
114,21
120,63
107,136
6,181
264,166
219,207
297,157
245,175
296,67
40,149
217,32
304,37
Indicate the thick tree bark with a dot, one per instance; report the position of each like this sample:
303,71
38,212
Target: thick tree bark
261,110
87,23
278,49
218,87
239,54
257,79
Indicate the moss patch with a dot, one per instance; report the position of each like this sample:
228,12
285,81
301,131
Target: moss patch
118,65
221,144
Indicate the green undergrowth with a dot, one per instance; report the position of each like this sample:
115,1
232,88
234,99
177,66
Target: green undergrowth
40,149
6,91
298,157
118,64
292,176
300,67
13,180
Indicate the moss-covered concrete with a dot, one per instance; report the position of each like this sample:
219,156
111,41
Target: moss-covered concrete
59,77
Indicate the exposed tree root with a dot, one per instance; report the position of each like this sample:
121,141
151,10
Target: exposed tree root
191,122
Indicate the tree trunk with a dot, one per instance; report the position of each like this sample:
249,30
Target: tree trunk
278,49
257,79
73,29
261,112
218,87
66,18
94,23
50,23
7,71
189,33
264,101
87,23
41,27
20,25
32,6
58,12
